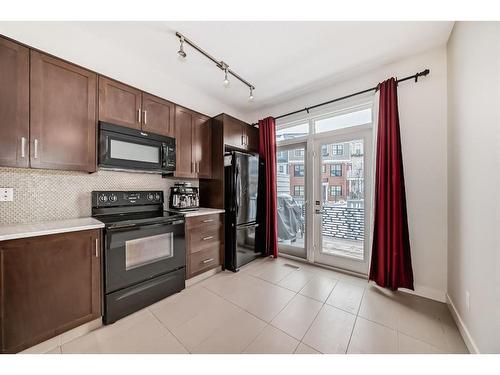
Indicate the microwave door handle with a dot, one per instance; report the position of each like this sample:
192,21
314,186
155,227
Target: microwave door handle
163,156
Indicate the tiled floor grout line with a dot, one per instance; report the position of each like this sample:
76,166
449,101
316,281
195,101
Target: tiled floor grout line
163,325
355,321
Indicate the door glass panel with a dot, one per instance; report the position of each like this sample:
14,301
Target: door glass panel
291,132
343,121
342,192
147,250
133,151
291,186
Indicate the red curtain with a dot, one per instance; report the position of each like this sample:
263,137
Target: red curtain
267,150
391,258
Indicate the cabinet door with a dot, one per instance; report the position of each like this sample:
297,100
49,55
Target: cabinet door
251,138
158,115
14,104
49,284
233,132
63,115
119,104
184,143
202,145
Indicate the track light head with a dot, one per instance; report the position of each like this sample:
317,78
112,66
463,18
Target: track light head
226,82
181,52
250,97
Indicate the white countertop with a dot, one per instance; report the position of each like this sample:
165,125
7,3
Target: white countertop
202,211
13,231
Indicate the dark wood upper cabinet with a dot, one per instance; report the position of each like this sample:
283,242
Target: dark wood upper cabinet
240,135
119,104
158,115
183,137
202,145
14,104
233,131
49,284
193,144
63,115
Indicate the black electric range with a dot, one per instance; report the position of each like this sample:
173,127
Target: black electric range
144,250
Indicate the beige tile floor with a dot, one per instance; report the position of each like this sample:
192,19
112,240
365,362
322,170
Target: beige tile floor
270,307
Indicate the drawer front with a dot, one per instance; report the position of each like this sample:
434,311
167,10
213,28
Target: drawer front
204,237
204,260
203,220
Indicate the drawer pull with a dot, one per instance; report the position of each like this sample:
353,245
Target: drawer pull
208,220
207,238
208,260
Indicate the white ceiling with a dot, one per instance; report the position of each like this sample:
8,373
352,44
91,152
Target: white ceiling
282,59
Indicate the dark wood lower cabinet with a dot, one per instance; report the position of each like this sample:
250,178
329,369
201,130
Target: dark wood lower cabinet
204,243
48,285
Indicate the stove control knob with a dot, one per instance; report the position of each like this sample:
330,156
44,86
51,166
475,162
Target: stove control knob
150,197
113,198
157,196
103,198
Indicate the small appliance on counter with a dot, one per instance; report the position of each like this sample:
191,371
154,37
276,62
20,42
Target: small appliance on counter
184,197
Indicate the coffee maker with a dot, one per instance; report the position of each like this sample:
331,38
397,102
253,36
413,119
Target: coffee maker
184,197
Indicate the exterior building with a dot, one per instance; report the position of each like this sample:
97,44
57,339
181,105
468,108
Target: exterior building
341,173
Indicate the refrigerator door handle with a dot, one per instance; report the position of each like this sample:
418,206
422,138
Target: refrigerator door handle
249,225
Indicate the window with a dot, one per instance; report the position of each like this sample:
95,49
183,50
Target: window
298,190
345,120
298,170
282,156
336,170
357,149
299,152
324,150
281,169
335,190
338,149
323,168
291,132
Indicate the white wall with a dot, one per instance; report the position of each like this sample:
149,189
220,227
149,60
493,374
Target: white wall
422,109
473,180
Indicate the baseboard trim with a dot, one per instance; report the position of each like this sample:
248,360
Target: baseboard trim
202,276
469,341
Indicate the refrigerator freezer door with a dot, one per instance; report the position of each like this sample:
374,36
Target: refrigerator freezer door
246,170
245,244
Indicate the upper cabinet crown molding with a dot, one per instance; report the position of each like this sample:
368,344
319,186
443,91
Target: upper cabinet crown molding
14,104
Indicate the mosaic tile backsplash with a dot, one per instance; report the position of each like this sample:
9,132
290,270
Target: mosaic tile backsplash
42,195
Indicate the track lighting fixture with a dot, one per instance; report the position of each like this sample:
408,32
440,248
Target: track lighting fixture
226,79
181,52
219,63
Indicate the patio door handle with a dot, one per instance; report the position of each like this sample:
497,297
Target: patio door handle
319,211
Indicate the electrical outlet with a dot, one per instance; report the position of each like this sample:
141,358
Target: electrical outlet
6,194
467,300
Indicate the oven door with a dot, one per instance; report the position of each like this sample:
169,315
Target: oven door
138,253
121,148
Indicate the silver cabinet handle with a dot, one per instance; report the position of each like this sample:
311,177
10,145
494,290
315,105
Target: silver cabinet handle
36,148
208,220
208,260
207,238
198,167
242,140
23,147
97,247
139,115
145,117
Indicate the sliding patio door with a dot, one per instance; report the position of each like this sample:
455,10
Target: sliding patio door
342,179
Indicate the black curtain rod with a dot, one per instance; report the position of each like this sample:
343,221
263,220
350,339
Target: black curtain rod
307,109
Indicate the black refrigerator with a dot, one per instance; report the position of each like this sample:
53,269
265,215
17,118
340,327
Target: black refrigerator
241,179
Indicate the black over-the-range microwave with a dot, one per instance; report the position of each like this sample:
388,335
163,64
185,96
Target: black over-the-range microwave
124,148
